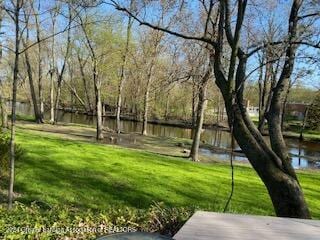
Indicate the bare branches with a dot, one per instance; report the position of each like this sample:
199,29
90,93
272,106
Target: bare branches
159,28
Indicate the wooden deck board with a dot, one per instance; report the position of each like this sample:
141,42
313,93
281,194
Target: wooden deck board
219,226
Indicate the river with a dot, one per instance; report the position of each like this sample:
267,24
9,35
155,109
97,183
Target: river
309,156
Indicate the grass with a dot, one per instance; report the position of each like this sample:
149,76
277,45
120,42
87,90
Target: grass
96,176
23,117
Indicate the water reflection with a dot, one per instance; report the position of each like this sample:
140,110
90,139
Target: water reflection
214,137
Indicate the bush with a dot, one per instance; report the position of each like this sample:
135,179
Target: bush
313,119
4,162
34,222
4,152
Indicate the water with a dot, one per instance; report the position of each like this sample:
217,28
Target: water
214,137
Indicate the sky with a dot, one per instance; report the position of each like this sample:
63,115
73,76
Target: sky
258,14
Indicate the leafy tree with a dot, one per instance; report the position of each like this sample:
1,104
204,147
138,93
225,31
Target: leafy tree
313,119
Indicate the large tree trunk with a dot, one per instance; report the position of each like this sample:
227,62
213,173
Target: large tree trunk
194,153
285,192
271,163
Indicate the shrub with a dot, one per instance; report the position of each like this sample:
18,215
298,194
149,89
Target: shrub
33,222
313,119
4,154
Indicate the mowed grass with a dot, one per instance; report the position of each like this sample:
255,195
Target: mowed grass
88,175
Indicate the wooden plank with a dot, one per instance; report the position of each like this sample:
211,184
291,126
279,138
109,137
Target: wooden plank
220,226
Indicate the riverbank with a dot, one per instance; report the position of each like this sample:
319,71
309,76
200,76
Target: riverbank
71,178
56,164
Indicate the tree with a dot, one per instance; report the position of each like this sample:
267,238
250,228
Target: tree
272,163
201,75
313,116
37,113
150,53
3,107
96,80
36,13
60,74
17,6
122,71
52,70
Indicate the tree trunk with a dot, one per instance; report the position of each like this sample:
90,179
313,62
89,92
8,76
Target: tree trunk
146,108
51,97
57,100
194,153
122,76
97,86
85,85
74,93
285,192
167,107
271,164
52,71
37,114
60,75
41,103
119,102
14,101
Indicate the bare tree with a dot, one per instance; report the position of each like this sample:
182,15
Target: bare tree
36,13
52,70
3,107
60,74
82,64
17,6
151,53
37,114
194,153
272,163
122,73
96,80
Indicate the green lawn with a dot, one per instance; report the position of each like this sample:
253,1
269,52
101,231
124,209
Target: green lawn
96,176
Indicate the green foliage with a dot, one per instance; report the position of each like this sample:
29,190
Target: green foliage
58,222
23,117
313,121
4,155
301,94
